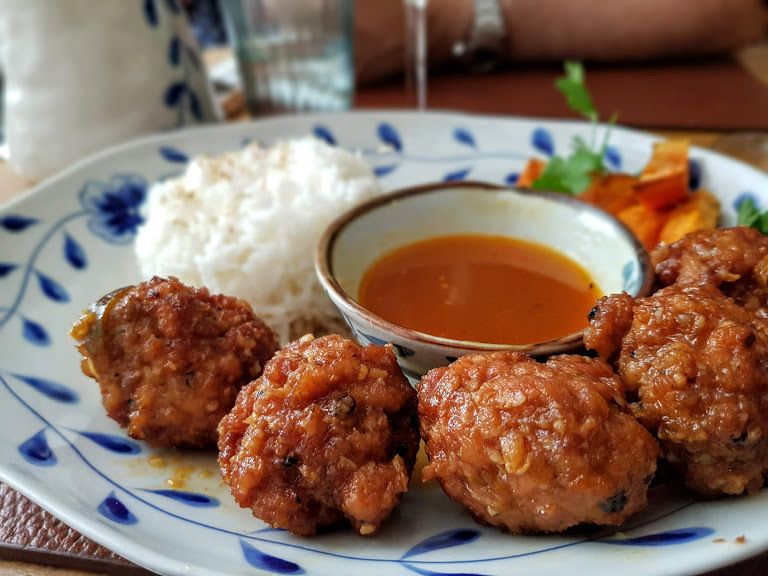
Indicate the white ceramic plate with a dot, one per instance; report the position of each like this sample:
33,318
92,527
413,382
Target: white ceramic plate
68,241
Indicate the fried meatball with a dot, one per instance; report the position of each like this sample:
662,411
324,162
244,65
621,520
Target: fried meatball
699,367
535,447
329,432
733,260
609,320
170,359
720,257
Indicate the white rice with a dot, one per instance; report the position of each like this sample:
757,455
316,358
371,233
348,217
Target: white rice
247,223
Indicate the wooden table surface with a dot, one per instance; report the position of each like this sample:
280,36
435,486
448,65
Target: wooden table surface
753,60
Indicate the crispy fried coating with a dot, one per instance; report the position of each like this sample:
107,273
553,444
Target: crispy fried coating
609,320
170,359
535,447
328,433
699,366
720,257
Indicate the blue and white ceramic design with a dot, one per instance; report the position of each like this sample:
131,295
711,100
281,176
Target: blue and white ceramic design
68,242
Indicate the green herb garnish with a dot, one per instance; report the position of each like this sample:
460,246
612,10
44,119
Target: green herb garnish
573,174
750,215
575,91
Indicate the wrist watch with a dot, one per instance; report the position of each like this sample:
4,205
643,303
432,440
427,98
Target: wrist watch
483,50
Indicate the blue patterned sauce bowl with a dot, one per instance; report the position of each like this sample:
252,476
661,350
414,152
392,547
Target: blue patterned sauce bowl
597,241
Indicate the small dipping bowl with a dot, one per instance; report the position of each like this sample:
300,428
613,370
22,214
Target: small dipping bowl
597,241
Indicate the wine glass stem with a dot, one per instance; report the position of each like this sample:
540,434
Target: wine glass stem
416,52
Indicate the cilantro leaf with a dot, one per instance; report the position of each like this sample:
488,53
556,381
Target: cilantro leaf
750,215
552,178
575,91
573,174
748,212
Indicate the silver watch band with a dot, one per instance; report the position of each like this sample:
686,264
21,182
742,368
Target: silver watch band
484,48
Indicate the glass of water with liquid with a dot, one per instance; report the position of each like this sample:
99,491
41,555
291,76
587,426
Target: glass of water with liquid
293,55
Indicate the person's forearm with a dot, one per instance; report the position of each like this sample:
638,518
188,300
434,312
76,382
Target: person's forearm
608,30
551,30
380,34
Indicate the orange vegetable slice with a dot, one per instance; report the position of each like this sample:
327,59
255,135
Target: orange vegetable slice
611,192
663,182
644,223
531,171
699,212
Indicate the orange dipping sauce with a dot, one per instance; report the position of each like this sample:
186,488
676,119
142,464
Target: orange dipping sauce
480,288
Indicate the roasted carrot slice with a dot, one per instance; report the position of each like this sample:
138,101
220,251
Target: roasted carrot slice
668,156
700,211
530,173
644,223
664,180
662,192
611,192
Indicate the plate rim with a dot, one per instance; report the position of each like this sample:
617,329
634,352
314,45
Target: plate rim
137,552
202,129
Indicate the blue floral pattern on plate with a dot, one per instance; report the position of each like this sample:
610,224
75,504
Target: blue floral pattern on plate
112,210
71,242
113,207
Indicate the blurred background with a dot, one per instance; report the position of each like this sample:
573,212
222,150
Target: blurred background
695,65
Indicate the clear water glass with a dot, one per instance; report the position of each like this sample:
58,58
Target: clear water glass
416,52
293,55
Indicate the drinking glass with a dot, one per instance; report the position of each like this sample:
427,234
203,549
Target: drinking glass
292,54
416,52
